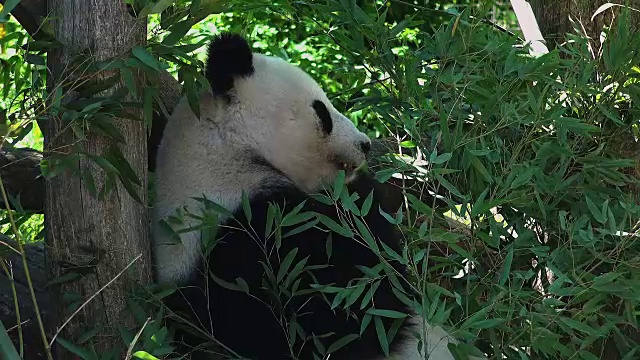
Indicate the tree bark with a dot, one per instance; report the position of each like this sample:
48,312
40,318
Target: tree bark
103,236
553,18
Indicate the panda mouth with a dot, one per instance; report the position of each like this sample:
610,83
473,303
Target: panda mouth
347,167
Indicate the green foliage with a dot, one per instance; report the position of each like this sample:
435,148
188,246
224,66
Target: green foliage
7,349
21,83
537,139
544,142
521,173
149,339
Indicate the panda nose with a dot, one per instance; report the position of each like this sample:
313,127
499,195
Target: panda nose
365,146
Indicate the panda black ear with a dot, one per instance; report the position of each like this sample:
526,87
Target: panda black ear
229,56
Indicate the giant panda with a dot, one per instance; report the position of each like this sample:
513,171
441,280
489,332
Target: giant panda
267,135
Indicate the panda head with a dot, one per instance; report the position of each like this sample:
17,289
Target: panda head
276,111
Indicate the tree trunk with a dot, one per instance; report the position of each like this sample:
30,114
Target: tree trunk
553,18
102,235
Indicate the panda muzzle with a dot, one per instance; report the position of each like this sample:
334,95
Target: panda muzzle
348,165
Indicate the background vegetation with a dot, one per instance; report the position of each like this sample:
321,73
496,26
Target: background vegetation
521,205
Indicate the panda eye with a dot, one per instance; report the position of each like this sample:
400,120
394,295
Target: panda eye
324,116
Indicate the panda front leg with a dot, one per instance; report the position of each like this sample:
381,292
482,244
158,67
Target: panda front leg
274,316
433,343
269,316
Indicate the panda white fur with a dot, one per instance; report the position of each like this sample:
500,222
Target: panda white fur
268,130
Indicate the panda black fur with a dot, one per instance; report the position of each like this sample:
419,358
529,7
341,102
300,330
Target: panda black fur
268,130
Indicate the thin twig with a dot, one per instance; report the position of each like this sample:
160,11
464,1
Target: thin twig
91,298
135,339
5,244
17,325
14,293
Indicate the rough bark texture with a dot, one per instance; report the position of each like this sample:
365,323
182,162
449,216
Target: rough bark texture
20,167
102,236
553,18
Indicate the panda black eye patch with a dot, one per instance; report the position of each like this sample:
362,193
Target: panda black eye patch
324,116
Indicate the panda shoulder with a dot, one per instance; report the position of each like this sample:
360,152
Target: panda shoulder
364,188
286,197
254,222
283,195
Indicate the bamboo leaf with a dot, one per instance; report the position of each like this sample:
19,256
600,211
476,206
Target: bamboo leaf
366,205
382,335
341,343
246,206
7,349
286,262
143,55
602,8
387,313
7,7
